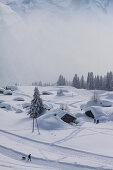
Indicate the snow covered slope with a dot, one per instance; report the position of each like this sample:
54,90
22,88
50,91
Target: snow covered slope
59,145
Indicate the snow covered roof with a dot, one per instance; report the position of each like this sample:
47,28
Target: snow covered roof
5,105
7,92
49,121
2,90
106,103
19,111
96,111
12,88
46,93
18,99
63,112
25,105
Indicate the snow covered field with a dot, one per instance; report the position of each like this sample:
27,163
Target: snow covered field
59,145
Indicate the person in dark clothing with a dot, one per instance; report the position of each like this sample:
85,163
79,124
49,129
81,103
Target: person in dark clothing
97,121
94,120
29,157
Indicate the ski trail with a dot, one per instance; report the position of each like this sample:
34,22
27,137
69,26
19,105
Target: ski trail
39,161
75,132
18,165
88,157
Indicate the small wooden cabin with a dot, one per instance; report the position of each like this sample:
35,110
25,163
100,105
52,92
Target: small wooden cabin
89,114
68,118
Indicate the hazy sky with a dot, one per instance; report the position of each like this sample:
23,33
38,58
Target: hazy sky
42,45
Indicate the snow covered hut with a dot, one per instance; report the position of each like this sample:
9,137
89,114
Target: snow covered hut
89,113
12,88
7,92
94,112
2,90
5,106
68,118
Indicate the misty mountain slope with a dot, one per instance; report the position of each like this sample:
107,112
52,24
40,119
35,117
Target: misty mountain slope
104,5
8,16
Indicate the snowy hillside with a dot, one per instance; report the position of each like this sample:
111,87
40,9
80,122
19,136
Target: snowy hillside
60,145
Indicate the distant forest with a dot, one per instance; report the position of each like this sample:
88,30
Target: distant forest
92,82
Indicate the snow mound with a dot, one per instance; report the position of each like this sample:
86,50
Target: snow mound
51,121
47,107
89,104
65,91
102,103
12,88
5,106
106,103
19,111
18,99
46,93
7,92
1,101
26,105
2,90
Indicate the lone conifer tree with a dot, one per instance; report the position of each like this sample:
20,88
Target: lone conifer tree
36,107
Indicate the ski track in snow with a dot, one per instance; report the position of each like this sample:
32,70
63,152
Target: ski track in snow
64,151
39,161
75,132
55,155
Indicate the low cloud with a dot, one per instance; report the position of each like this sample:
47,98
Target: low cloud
41,45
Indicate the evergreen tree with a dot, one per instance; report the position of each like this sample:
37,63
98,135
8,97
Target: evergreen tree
104,79
82,82
76,82
61,81
97,82
101,83
39,83
109,81
90,81
36,107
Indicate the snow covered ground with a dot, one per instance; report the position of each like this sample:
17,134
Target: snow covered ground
60,145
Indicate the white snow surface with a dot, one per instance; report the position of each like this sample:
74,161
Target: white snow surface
59,146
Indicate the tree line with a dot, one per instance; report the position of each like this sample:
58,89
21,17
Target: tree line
92,82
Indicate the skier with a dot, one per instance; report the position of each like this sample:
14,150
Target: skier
29,157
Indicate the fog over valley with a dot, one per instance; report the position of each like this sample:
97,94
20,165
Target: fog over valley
41,39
